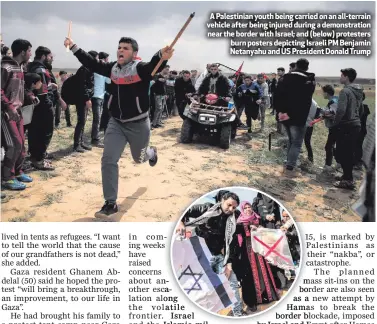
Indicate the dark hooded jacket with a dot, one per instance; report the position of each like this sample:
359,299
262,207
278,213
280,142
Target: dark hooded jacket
44,94
295,96
222,87
183,87
350,106
12,84
86,84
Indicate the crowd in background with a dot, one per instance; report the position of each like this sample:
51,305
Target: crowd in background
288,95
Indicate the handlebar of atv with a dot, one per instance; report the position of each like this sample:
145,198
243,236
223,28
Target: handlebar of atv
192,97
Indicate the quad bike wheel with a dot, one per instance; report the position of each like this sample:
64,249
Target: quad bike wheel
187,131
225,136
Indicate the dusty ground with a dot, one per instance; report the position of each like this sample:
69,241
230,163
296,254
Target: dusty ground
73,192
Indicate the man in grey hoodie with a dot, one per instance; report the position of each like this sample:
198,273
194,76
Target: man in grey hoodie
347,121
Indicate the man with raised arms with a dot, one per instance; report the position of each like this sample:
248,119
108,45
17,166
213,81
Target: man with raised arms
129,105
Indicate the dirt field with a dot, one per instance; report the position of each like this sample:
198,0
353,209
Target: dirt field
73,192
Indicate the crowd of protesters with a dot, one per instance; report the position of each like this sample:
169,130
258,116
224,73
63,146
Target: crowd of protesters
226,226
288,95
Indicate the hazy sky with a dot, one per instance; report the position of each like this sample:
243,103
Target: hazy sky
99,26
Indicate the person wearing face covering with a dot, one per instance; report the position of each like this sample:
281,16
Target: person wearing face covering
251,269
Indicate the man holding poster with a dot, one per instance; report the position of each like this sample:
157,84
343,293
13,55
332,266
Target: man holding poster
129,105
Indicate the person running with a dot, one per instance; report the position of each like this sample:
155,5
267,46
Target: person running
12,125
129,107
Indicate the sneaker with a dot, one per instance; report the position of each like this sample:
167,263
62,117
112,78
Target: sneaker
345,184
78,149
24,178
291,173
13,184
107,210
358,166
3,195
153,162
338,167
49,156
86,146
328,169
243,127
97,143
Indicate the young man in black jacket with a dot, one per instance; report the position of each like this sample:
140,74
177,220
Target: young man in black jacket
216,83
41,128
216,224
129,108
295,99
183,87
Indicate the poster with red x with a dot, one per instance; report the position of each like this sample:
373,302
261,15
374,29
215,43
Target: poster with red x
273,245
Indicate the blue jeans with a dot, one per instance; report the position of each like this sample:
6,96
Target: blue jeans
296,136
217,262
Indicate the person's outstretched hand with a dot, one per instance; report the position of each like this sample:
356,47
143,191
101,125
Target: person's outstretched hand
68,42
167,53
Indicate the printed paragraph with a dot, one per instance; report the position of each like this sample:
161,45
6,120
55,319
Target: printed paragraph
151,296
58,270
339,284
252,34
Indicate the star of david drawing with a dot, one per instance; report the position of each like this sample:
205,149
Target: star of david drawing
197,276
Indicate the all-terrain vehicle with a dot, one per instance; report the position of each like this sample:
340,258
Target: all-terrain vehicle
212,117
